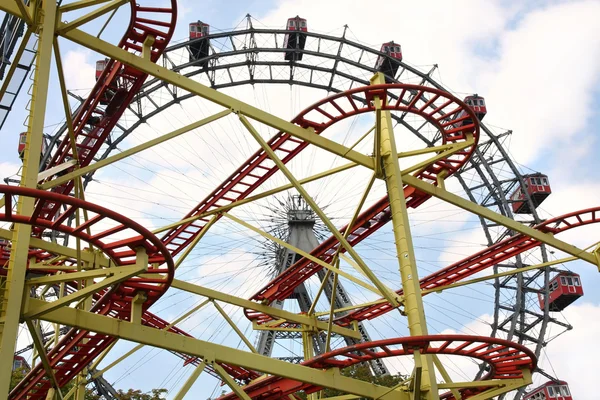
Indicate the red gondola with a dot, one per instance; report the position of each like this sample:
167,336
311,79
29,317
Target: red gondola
23,141
100,65
199,47
295,41
537,186
20,362
389,65
477,104
564,288
557,390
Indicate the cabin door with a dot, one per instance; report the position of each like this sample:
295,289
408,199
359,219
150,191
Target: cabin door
571,284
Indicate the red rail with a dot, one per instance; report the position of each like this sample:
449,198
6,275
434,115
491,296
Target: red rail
104,231
116,88
484,259
428,103
462,269
505,359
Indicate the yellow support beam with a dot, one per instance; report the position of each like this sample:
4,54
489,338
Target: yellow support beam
53,279
134,150
390,296
413,302
500,219
11,297
221,354
275,312
183,82
139,346
77,5
124,274
234,327
305,254
190,381
13,66
84,19
39,346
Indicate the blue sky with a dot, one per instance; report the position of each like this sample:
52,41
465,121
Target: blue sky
536,62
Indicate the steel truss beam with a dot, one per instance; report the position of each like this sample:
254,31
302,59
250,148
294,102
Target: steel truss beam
209,351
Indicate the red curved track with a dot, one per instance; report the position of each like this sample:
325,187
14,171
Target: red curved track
117,86
462,269
90,345
258,168
505,359
123,82
104,230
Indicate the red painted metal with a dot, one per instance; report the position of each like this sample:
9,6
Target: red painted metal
538,188
104,231
258,168
484,259
199,29
116,87
557,390
564,289
377,217
505,359
78,347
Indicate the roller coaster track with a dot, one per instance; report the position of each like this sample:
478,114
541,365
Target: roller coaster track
506,360
120,84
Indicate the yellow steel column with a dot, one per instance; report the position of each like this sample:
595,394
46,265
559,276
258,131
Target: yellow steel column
413,302
12,298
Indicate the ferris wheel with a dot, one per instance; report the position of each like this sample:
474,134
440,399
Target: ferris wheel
164,185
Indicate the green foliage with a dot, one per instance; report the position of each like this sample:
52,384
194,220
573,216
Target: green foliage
17,376
155,394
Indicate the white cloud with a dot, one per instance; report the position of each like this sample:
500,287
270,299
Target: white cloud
79,69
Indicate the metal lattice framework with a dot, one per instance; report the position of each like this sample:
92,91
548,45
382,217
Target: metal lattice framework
135,267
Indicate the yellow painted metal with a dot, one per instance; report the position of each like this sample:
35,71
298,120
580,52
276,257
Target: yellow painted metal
442,370
84,19
498,218
11,298
390,296
251,199
136,308
11,7
25,11
275,312
190,381
77,5
508,386
52,279
124,273
51,394
413,303
183,82
95,259
194,242
39,346
305,254
139,346
500,274
230,382
147,47
134,150
206,350
234,327
359,207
